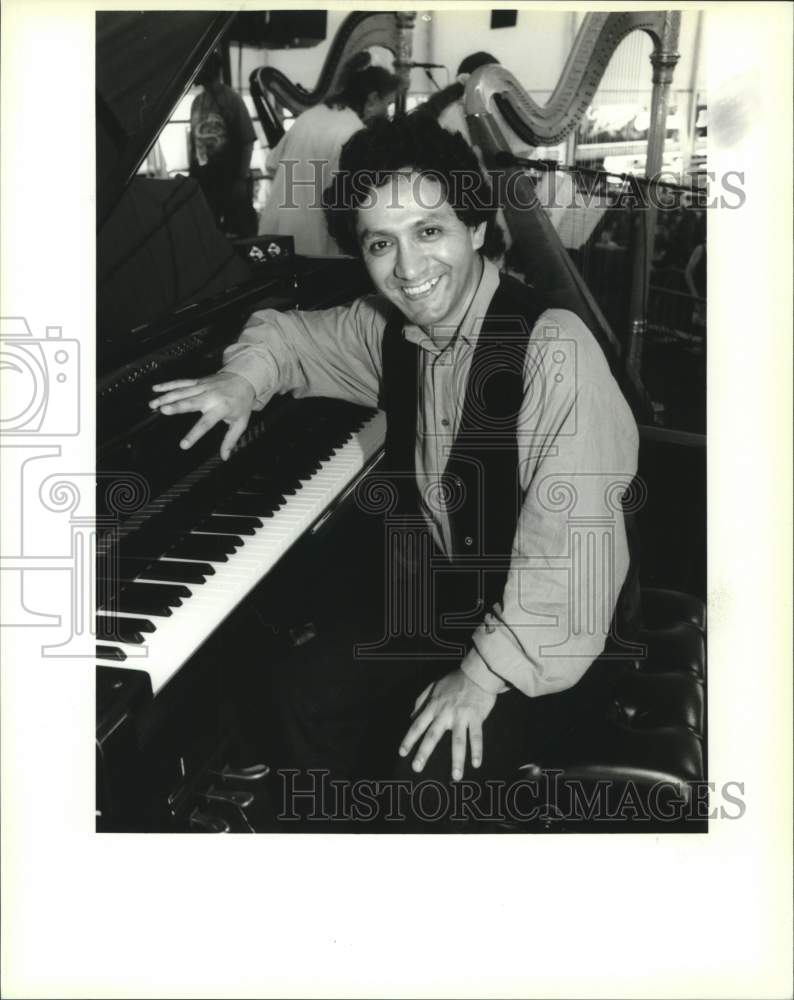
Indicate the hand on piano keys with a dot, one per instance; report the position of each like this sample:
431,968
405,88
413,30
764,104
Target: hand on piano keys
223,396
187,560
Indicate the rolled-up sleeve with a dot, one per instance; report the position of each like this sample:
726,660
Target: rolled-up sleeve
570,552
329,352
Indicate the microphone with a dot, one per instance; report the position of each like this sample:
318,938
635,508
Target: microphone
416,65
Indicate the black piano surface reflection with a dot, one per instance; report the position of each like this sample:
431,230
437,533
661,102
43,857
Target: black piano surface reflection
180,648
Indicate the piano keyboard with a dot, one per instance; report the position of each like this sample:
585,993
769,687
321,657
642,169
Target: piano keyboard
162,615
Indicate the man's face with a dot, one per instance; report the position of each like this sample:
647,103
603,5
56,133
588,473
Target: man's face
417,251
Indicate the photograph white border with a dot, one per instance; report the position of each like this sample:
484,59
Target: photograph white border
88,915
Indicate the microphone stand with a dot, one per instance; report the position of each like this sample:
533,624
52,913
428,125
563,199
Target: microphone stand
430,77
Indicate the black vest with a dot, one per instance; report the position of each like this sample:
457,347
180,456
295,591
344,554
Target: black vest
482,472
481,477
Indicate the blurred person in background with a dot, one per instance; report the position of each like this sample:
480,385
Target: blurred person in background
446,105
221,142
302,164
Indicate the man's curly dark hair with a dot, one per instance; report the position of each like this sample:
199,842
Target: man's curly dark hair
374,155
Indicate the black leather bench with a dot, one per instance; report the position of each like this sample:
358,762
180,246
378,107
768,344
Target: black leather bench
633,763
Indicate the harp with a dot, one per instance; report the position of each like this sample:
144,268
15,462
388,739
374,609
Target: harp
494,98
598,37
272,90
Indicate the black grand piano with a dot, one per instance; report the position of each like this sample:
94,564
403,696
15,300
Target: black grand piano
183,556
208,571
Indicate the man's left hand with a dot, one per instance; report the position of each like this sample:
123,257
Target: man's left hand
454,703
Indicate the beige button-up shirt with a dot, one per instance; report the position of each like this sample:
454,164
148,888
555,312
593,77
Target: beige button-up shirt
577,446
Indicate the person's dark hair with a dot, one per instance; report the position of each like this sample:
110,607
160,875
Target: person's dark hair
416,144
441,99
358,80
475,60
211,70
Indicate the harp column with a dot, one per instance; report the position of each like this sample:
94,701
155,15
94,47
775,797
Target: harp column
404,49
664,58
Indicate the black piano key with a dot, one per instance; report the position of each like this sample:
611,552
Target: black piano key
230,541
226,543
229,524
173,570
251,504
149,547
146,598
123,629
117,630
269,490
143,549
304,462
210,548
137,604
284,489
292,469
264,480
188,568
269,495
273,494
110,653
124,582
178,590
168,592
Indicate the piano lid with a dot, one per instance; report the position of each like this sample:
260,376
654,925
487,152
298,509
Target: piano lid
145,61
159,250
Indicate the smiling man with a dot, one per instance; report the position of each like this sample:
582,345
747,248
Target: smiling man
419,254
493,399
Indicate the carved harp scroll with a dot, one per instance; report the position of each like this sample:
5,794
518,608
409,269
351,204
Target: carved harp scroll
360,30
597,39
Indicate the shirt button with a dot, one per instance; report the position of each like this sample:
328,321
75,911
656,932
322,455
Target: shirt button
468,540
445,422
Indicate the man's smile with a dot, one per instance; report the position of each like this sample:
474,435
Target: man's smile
420,291
424,260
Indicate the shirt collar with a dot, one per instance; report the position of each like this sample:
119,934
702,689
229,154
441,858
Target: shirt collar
468,328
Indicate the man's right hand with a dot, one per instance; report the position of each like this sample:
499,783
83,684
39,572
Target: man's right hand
224,396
